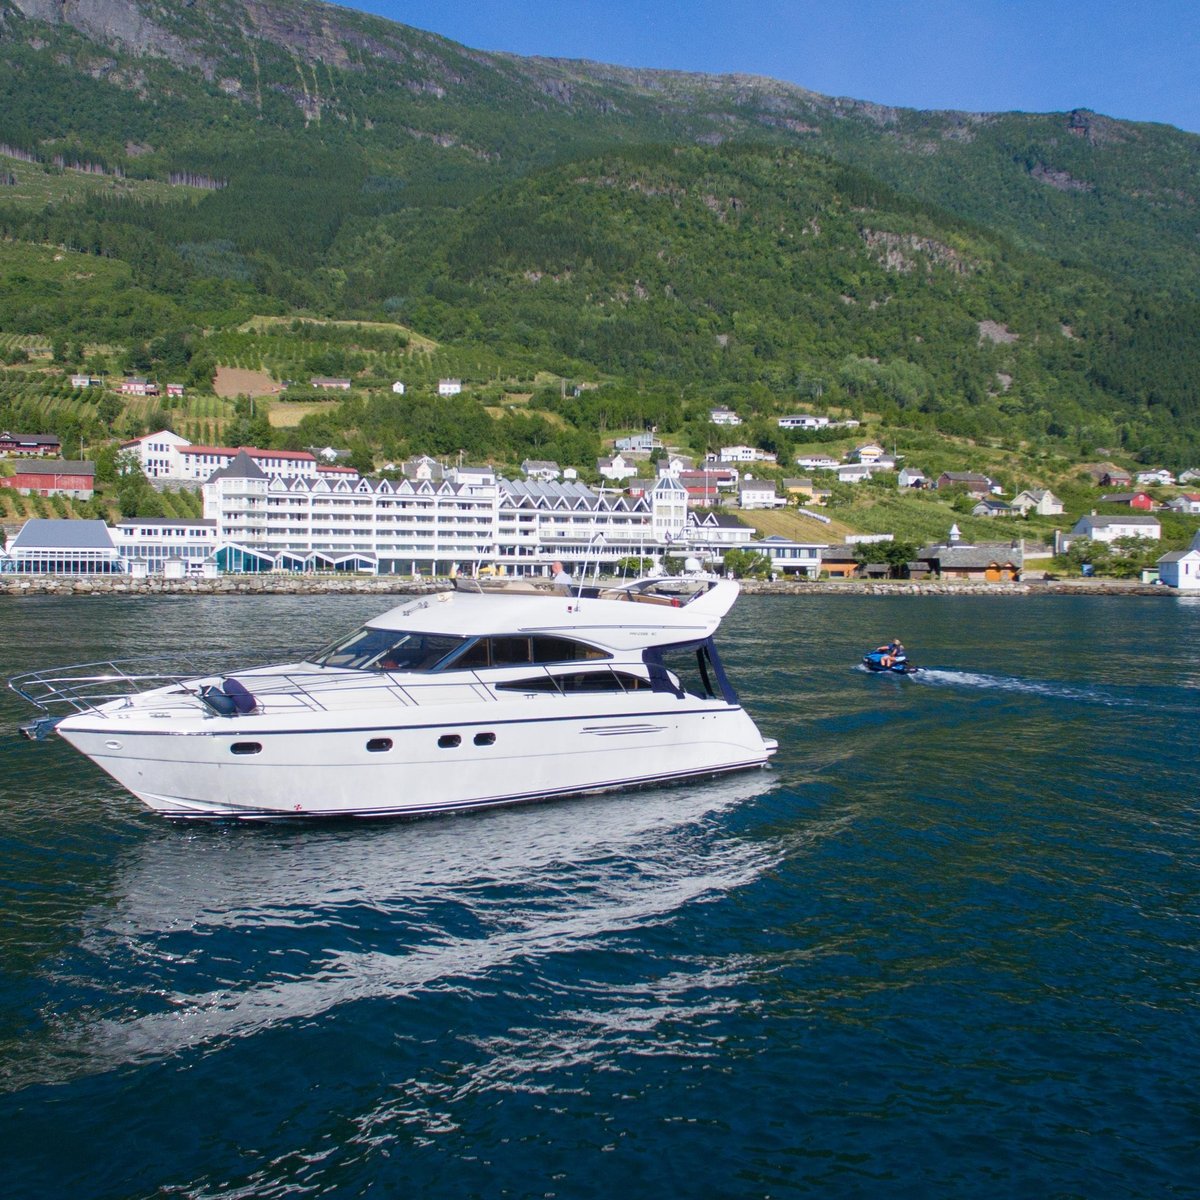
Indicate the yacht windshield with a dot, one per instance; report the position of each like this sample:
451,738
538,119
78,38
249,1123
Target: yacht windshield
389,650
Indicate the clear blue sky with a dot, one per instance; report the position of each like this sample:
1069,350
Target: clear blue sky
1136,59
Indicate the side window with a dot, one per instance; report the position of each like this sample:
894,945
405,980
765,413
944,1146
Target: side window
510,651
557,649
577,681
474,657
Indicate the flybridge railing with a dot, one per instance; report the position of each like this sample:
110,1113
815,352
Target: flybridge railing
59,692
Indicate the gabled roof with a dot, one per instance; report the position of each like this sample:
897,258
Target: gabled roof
54,466
241,467
55,533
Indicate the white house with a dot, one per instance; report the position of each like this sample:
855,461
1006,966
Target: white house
617,468
802,421
1161,477
724,416
854,472
540,468
1039,500
158,454
1109,529
868,452
817,462
745,454
1181,568
759,493
398,387
449,387
911,477
791,558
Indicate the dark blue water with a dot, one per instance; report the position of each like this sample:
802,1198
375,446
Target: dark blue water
948,946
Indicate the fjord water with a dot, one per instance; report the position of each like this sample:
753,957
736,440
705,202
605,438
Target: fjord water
948,945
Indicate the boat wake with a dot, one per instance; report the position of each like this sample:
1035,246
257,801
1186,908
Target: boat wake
1111,697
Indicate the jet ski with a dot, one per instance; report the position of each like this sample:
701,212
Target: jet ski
898,664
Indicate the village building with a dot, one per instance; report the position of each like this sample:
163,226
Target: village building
158,544
723,416
854,472
991,507
158,454
1037,500
1109,529
86,381
29,445
422,468
1142,501
705,485
639,443
1159,478
910,477
789,557
54,546
1185,502
714,532
984,562
971,482
398,388
329,383
449,387
802,421
75,480
817,462
1180,569
617,468
135,385
840,561
749,454
540,469
759,493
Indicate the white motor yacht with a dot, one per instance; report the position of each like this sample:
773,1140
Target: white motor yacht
454,700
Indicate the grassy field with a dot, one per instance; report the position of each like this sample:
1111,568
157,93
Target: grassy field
39,185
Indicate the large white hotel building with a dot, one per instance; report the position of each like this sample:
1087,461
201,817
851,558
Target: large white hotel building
258,517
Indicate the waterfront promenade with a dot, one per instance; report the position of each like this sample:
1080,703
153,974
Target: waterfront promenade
295,584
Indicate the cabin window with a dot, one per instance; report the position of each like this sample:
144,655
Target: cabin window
246,748
379,745
521,651
577,681
389,650
485,739
449,740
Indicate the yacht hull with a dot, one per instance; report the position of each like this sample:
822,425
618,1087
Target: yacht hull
254,769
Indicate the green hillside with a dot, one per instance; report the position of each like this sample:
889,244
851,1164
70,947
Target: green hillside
655,242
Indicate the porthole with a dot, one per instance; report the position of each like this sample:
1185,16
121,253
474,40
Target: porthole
379,745
485,739
246,748
449,740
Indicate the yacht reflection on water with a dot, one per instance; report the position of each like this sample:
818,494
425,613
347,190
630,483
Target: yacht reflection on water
221,936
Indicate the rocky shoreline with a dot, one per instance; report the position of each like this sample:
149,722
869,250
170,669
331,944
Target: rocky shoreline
302,585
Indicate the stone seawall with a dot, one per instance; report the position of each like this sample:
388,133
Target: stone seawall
303,585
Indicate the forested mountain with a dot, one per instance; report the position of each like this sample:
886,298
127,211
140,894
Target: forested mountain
731,237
